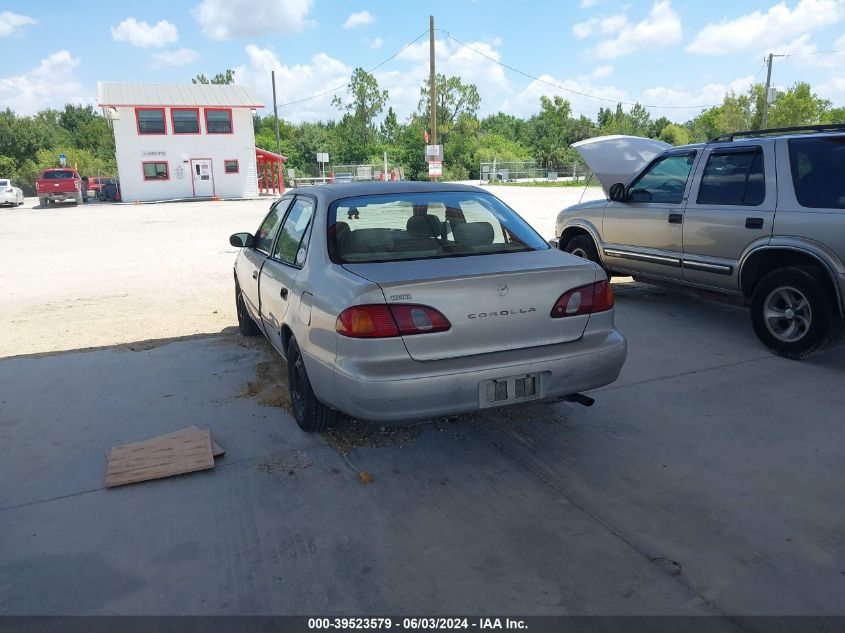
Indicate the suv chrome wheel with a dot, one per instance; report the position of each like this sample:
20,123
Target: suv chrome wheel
788,314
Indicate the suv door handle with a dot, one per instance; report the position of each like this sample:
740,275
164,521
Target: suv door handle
284,293
255,274
676,218
754,223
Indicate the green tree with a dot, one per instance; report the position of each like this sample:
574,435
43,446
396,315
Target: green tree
226,77
798,105
674,134
365,104
452,99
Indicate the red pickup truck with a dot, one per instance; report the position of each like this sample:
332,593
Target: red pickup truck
59,185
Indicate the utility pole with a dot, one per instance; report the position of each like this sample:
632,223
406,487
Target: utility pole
768,87
431,78
276,113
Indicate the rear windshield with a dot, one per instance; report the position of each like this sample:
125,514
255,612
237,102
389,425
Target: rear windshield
52,175
4,183
818,171
396,227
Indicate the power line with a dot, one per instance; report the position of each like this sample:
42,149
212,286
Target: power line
376,67
558,86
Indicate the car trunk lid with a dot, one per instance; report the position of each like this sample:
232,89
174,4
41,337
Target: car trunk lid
618,158
493,302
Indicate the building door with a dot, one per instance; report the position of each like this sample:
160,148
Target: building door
203,178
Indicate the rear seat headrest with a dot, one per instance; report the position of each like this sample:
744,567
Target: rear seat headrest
370,241
473,233
420,226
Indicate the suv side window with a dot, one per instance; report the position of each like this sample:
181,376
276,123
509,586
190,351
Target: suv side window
733,177
664,180
270,226
291,236
818,171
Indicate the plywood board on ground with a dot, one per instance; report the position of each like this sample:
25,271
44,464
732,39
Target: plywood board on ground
216,449
159,457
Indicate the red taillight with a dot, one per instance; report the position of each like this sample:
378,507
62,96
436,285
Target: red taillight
377,320
596,297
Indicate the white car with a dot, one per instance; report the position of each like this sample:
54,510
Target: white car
9,194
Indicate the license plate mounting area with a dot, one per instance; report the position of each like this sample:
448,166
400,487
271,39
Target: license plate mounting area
510,389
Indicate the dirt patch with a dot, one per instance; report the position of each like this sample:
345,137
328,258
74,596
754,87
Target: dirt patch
351,433
270,387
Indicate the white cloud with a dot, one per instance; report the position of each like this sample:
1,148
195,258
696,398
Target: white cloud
586,4
50,84
601,71
179,57
225,19
661,28
584,29
10,22
358,19
294,82
769,31
707,95
376,43
143,35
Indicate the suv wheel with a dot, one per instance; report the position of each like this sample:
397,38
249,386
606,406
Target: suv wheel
310,414
246,326
793,314
583,246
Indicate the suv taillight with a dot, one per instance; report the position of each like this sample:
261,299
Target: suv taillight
596,297
377,320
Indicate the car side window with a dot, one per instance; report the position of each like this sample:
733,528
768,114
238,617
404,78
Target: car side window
664,181
818,171
270,226
290,247
733,178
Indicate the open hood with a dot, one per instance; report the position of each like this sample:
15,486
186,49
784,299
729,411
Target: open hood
618,158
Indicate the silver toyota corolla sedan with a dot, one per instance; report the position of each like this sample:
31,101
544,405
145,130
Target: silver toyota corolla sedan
405,300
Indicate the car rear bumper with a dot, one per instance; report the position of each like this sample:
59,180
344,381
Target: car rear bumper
59,196
592,361
8,198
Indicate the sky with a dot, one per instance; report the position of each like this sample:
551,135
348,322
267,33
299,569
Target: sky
677,57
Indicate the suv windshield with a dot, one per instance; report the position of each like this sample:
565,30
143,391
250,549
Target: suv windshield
818,171
396,227
53,175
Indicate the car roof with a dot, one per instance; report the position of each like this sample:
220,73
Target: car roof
337,191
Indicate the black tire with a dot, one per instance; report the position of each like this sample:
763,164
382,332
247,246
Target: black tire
246,326
310,414
808,327
583,246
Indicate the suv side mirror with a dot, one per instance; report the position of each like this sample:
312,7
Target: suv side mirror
618,193
241,240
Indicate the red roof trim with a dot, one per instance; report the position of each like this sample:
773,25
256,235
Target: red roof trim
175,105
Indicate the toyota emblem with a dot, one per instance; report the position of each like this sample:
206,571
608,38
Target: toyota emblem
502,290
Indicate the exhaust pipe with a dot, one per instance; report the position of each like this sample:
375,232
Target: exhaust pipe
578,398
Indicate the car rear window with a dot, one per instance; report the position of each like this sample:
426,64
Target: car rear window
397,227
4,183
55,175
818,171
733,178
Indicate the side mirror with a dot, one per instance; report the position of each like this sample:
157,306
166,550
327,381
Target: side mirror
617,193
241,240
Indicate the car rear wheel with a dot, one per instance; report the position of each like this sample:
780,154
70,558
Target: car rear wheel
246,326
794,315
310,414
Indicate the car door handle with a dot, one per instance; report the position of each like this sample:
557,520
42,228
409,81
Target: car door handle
676,218
255,274
283,293
754,223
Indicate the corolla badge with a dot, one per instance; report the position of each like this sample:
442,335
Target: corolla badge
502,290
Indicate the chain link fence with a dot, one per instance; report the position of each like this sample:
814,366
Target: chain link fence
531,171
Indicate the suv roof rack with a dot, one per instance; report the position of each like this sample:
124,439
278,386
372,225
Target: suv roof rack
831,127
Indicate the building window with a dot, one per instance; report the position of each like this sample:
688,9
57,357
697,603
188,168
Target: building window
156,171
151,121
218,121
230,166
185,120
